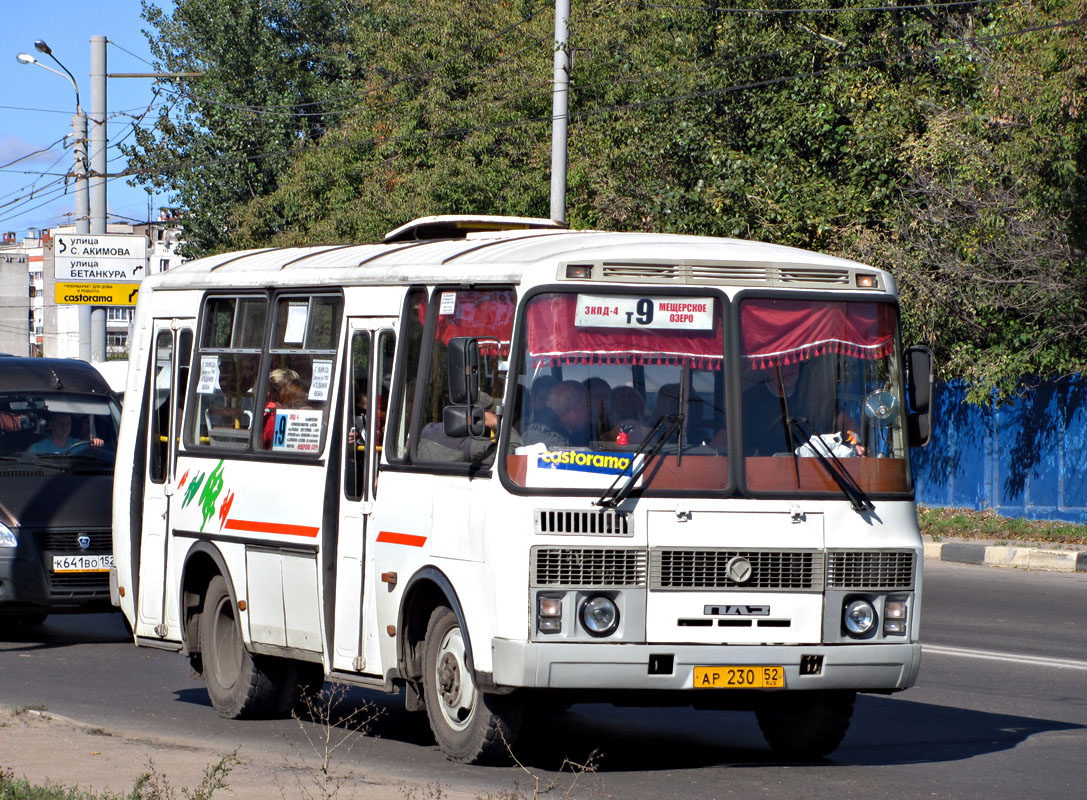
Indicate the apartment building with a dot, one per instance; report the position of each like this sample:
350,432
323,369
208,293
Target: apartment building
33,323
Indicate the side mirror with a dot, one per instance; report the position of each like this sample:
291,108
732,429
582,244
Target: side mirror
919,394
463,421
462,360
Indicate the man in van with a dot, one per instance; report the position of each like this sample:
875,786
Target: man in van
60,439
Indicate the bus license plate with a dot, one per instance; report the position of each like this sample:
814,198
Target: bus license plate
100,563
739,678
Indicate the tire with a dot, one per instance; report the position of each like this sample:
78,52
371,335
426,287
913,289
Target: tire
470,726
240,685
806,726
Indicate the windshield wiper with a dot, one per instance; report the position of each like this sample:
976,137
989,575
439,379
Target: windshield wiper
613,501
858,500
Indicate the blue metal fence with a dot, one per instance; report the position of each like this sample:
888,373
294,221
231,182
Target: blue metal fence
1024,459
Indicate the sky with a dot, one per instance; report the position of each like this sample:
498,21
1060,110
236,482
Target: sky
36,106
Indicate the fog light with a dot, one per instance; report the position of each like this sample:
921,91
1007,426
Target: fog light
859,617
599,615
549,614
894,617
550,606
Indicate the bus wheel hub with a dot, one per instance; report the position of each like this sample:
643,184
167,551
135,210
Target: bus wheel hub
449,678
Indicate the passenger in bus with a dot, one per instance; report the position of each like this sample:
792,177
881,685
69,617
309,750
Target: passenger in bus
599,398
285,390
60,437
566,421
626,414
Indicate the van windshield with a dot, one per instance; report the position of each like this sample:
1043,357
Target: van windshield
59,428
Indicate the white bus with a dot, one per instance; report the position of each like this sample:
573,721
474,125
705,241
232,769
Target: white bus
497,465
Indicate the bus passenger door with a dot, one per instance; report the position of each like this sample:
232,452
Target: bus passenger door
368,370
168,378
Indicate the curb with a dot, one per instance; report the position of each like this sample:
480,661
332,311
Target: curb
1005,556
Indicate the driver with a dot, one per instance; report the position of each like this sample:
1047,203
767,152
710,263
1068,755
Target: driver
60,437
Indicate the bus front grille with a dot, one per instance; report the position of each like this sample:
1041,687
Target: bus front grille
870,570
601,522
770,570
595,567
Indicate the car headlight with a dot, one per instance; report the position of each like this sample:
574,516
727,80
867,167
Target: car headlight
7,537
859,617
599,615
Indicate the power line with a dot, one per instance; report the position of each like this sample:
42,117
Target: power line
29,155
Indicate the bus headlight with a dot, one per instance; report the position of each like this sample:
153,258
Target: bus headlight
599,615
7,537
859,617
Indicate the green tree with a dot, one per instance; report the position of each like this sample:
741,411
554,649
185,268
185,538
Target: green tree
453,118
272,74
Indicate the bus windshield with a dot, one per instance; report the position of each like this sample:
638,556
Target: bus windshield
600,373
821,392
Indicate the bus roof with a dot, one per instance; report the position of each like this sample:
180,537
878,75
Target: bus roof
511,254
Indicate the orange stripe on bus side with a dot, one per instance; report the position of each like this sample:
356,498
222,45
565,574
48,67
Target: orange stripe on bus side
409,539
254,526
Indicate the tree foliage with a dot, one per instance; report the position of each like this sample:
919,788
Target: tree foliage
943,142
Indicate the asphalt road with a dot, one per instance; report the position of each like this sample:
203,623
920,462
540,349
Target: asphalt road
1000,711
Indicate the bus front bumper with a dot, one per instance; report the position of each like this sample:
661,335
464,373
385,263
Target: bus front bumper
863,667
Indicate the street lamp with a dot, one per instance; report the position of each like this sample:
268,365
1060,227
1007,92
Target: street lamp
79,173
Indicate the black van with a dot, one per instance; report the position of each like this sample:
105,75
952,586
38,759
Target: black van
58,441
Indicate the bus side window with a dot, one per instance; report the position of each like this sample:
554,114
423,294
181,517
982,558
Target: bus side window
487,316
386,350
411,346
227,363
358,389
300,366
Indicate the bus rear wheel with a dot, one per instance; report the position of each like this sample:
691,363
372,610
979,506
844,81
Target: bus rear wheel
806,725
239,685
470,726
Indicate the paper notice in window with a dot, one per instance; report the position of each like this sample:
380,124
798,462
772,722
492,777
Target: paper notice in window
297,430
322,380
295,332
449,303
209,375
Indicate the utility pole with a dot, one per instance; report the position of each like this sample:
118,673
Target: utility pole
560,106
98,181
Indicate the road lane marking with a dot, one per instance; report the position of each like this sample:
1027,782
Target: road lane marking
1016,658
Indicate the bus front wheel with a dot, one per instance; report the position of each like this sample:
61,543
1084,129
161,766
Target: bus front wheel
806,725
238,684
469,725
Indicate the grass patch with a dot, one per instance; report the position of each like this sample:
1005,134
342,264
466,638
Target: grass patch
960,523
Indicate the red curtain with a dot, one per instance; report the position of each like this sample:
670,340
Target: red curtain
553,340
774,332
484,315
